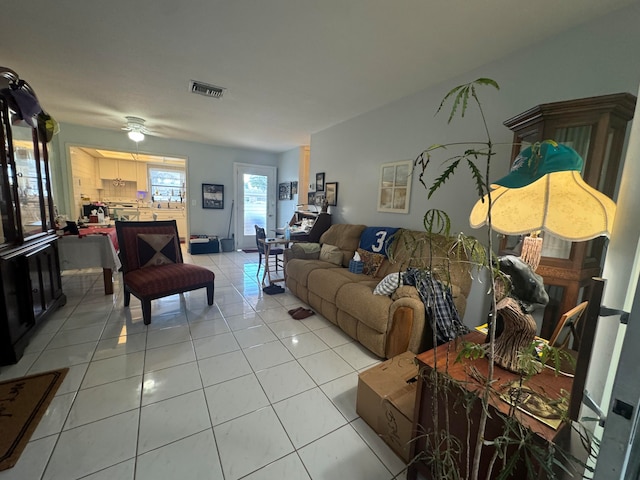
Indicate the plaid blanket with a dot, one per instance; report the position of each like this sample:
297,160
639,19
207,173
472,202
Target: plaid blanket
438,304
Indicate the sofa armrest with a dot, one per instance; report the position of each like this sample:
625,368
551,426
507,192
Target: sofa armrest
408,320
406,291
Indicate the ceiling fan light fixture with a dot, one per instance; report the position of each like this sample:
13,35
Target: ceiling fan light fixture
135,128
136,136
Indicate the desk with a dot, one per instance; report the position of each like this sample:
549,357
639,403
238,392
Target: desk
90,250
270,243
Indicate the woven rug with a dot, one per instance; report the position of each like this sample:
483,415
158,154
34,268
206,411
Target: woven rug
23,402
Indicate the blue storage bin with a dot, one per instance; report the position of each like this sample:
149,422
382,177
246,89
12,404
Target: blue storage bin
212,246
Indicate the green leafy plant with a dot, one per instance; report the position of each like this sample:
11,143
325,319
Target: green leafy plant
515,444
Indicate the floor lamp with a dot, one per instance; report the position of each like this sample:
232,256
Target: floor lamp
544,191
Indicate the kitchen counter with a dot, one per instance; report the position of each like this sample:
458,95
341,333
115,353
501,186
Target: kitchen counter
146,211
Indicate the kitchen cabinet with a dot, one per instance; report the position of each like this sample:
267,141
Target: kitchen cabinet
30,280
142,176
107,168
595,127
123,169
127,170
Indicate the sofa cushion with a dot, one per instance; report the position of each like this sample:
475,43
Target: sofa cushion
377,239
331,254
299,269
159,281
413,248
346,237
326,283
389,284
371,261
357,300
305,250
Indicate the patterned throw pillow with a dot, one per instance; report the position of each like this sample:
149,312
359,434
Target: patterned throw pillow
377,239
331,254
157,249
389,284
371,261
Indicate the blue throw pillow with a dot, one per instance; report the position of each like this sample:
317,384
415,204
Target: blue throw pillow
377,239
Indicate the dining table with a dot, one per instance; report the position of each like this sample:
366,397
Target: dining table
93,247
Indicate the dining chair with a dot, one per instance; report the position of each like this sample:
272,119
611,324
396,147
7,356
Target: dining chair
262,252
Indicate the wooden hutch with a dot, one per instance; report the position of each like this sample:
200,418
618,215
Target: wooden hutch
30,282
596,128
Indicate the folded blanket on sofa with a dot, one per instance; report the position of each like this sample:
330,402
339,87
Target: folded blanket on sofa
438,303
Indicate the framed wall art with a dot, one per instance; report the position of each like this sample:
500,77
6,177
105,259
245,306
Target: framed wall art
212,196
331,192
320,182
394,190
284,191
294,188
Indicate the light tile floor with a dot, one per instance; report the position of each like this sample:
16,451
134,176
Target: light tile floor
235,390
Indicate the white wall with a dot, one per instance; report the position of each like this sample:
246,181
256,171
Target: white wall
594,59
288,168
205,164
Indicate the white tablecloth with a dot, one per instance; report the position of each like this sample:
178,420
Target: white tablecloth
91,251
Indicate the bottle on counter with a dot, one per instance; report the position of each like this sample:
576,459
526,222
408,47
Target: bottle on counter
287,232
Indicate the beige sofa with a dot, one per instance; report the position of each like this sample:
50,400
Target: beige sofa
386,325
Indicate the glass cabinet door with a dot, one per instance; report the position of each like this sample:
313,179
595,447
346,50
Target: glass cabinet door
9,231
28,177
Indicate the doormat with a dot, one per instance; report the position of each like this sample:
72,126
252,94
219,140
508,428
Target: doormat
23,402
250,250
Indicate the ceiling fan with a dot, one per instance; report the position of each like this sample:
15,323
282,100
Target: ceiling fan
135,128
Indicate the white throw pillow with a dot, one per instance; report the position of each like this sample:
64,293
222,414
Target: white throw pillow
331,254
388,284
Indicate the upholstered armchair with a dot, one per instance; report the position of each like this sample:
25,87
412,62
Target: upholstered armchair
152,265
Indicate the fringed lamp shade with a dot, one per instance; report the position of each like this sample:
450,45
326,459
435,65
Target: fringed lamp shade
560,203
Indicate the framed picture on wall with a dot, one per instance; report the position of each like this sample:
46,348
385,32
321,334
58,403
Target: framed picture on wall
212,196
311,198
320,182
294,188
394,189
331,192
284,191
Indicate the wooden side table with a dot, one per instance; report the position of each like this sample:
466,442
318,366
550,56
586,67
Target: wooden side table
466,374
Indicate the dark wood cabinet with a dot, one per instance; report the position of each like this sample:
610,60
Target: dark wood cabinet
595,127
30,281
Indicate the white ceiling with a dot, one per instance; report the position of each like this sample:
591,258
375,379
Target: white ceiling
291,67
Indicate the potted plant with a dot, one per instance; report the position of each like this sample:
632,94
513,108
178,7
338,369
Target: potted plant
448,456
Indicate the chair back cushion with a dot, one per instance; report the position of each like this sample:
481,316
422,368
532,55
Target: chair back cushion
157,249
344,236
260,235
128,241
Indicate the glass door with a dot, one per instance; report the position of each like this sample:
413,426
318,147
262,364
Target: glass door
29,175
255,197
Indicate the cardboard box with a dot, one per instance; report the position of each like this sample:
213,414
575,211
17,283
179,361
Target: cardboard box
386,400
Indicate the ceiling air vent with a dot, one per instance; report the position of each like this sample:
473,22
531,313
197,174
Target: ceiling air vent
206,89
